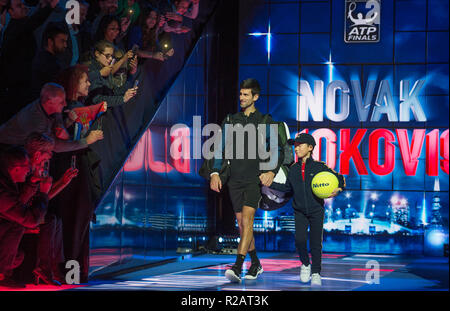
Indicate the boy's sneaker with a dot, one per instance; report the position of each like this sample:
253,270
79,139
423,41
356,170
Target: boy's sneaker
233,274
305,273
316,280
254,271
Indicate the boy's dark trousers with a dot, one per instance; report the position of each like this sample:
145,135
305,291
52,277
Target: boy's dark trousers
313,220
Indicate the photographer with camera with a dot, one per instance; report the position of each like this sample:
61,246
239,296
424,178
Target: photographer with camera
50,243
23,205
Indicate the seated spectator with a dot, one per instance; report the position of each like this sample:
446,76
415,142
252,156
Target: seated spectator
18,50
22,205
102,87
147,36
129,9
46,65
50,242
43,116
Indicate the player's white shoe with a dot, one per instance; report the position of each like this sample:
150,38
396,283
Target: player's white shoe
316,280
305,273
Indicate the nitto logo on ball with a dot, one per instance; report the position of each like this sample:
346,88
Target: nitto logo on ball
362,21
321,185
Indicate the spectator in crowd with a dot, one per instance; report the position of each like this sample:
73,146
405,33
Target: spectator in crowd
18,50
80,35
50,243
107,7
174,16
129,9
108,31
183,7
147,36
79,40
4,18
102,87
42,116
46,65
76,204
39,49
22,205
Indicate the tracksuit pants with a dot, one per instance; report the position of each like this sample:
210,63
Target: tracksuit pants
313,220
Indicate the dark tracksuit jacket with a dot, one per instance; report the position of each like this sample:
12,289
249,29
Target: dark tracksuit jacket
243,183
248,170
308,209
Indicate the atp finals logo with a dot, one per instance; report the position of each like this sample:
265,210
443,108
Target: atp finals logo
362,21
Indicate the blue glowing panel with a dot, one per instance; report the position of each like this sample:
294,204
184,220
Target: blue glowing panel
254,49
438,110
284,49
283,80
175,108
254,18
314,48
283,108
438,15
177,87
284,18
262,104
193,106
437,47
410,47
315,17
410,15
437,79
194,80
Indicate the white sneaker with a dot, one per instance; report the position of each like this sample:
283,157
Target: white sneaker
305,273
316,280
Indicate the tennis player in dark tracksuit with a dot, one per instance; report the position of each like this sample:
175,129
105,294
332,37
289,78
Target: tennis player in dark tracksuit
245,179
308,208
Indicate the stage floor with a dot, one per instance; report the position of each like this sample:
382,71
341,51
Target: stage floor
340,272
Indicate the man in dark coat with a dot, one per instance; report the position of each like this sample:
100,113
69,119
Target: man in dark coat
42,116
46,65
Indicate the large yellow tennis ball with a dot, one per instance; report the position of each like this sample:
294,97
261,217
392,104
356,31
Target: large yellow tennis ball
323,184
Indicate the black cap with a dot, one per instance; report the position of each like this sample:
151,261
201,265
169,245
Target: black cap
303,138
